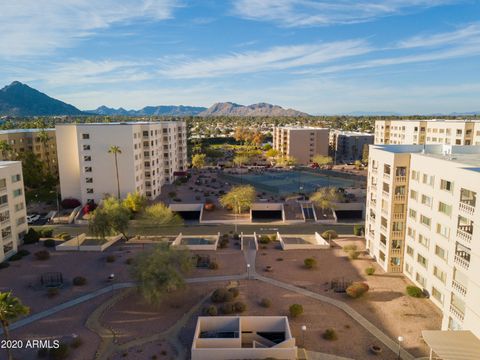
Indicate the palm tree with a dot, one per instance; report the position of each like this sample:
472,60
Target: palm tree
6,150
115,150
10,308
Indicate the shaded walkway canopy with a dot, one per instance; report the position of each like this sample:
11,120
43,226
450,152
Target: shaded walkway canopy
452,345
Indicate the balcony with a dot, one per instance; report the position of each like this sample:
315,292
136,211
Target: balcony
383,246
398,234
466,208
457,313
386,176
395,268
396,252
385,194
462,262
374,170
465,236
459,288
4,205
401,198
400,179
384,228
373,202
398,216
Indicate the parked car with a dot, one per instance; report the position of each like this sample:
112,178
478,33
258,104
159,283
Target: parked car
32,218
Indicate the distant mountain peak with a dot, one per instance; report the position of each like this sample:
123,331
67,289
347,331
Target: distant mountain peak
259,109
18,99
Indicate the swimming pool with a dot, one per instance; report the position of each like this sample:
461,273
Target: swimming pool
290,181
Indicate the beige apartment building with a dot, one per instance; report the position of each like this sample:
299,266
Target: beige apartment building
13,222
422,220
434,131
348,146
151,155
23,140
301,143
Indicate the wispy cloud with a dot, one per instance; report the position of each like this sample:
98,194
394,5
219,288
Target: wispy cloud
291,13
275,58
38,27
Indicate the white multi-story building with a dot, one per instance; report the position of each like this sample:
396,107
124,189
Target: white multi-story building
150,155
301,143
434,131
422,220
13,222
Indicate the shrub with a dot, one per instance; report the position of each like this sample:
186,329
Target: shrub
330,335
225,237
240,307
4,265
353,254
221,295
348,248
234,291
213,265
31,237
370,270
129,261
273,237
45,232
70,203
415,291
358,230
79,281
50,243
295,310
223,243
42,255
209,206
52,292
59,353
310,263
264,239
236,236
266,303
210,310
110,258
227,308
65,237
76,342
329,234
357,289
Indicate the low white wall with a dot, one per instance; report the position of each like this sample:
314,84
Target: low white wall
318,243
76,244
245,353
178,242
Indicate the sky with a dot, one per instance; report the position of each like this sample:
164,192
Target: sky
321,57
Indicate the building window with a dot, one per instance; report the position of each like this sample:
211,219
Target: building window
439,274
21,220
87,158
425,220
437,295
412,214
410,251
15,178
413,195
88,169
381,256
89,180
440,252
444,208
85,136
420,279
89,191
408,268
17,192
443,230
86,147
423,240
19,207
427,200
422,261
446,185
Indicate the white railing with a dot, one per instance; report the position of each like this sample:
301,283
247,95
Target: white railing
398,216
399,197
456,312
463,235
459,288
397,234
466,208
461,262
401,179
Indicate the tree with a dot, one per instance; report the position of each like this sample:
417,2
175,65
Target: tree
44,139
33,170
115,150
325,197
199,160
161,271
239,198
272,153
6,149
241,160
135,202
10,309
358,164
285,161
159,215
322,160
111,218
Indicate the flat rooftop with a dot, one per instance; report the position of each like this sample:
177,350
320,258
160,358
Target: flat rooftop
16,131
125,123
436,120
309,128
467,159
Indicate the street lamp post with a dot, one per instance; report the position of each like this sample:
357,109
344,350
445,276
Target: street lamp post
400,340
304,329
248,271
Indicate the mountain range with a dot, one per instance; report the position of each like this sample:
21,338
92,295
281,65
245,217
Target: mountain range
19,99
